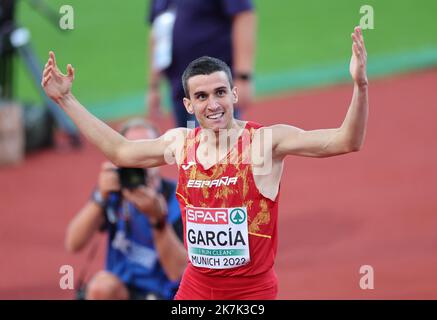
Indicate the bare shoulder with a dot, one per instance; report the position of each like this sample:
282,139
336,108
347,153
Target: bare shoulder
174,141
277,132
281,132
282,128
176,133
281,137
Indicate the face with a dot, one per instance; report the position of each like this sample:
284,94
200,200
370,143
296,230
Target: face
211,100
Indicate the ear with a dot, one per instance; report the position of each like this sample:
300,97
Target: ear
234,95
188,106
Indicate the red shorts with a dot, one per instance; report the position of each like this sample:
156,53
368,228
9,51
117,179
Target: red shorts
198,286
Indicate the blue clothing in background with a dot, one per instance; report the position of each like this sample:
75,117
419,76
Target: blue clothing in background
131,253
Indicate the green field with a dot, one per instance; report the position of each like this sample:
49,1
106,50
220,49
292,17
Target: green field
108,44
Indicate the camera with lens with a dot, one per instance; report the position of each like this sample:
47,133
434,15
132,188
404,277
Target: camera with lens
132,178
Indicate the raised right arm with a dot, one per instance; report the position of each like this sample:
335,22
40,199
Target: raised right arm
119,150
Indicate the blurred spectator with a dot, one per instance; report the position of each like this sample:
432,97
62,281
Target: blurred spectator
7,25
184,30
145,255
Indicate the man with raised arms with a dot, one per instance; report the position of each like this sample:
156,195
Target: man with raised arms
229,171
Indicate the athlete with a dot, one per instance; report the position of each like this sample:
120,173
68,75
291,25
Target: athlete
229,171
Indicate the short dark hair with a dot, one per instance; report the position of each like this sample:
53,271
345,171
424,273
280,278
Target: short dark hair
204,65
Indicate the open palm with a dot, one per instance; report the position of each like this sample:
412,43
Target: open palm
358,62
55,84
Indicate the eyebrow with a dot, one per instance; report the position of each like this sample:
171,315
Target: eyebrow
221,88
197,93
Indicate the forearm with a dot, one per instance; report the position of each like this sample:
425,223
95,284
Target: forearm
83,226
171,252
243,42
353,129
96,131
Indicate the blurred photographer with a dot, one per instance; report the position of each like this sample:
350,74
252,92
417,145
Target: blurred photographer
145,256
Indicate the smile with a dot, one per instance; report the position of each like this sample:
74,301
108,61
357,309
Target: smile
215,116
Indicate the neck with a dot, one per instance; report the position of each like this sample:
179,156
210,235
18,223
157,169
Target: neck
230,134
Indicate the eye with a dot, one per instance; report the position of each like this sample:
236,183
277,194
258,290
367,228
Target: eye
201,96
221,92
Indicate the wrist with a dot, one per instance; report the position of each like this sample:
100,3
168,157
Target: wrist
159,223
159,219
99,198
65,100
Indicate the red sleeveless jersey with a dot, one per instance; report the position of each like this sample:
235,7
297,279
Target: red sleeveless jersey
230,228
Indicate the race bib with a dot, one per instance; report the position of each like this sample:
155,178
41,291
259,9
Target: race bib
217,238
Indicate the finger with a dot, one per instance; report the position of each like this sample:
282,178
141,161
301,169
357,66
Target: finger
363,45
145,189
355,50
54,70
53,58
357,43
361,48
357,30
70,72
130,196
356,33
47,71
140,191
360,37
355,37
46,79
354,40
127,194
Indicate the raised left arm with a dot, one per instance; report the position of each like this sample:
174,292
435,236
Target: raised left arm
349,137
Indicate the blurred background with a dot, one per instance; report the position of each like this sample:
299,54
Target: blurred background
376,207
108,46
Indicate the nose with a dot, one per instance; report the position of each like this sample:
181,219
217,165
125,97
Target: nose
213,104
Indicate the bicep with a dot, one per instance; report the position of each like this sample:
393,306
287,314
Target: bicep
140,153
289,140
